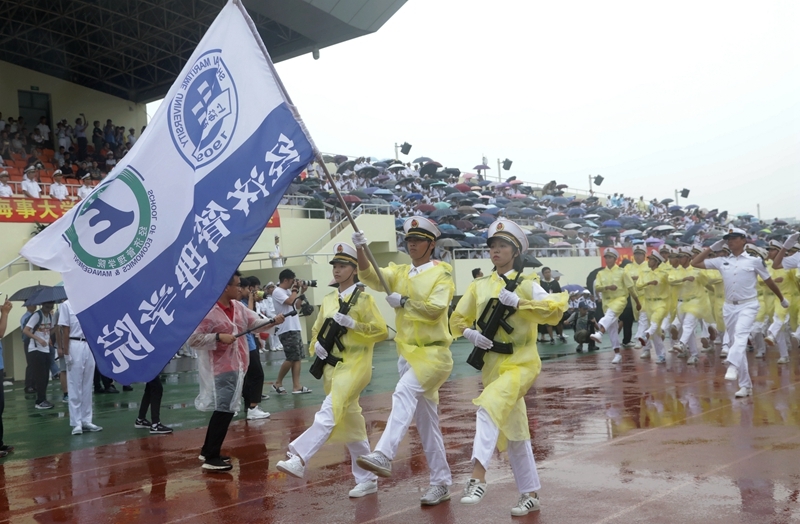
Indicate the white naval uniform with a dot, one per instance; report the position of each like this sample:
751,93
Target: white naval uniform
739,276
80,376
58,191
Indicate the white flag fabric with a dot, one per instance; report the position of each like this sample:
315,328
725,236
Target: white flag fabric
148,253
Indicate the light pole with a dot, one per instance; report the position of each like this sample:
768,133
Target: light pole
404,148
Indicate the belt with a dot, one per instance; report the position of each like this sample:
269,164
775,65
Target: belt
79,339
743,301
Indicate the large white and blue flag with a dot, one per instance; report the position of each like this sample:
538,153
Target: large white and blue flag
148,253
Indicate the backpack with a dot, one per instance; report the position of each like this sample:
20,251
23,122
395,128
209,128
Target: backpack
35,327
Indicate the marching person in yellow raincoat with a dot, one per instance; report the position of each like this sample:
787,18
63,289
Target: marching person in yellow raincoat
615,286
778,331
765,304
716,297
421,295
634,270
672,265
693,305
340,419
652,283
502,420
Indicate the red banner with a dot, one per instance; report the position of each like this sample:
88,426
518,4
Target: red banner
274,220
40,210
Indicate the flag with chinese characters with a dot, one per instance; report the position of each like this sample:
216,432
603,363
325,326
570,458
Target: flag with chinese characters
147,254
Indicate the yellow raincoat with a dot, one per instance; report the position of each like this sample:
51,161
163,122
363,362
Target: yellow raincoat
615,300
766,307
634,271
692,294
786,283
345,382
716,296
672,302
656,298
506,378
423,337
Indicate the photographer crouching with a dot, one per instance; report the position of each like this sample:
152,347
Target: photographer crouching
287,297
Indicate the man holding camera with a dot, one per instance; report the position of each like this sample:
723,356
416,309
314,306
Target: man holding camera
286,297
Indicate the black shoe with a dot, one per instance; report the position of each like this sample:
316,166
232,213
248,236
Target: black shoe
112,389
160,429
99,391
7,449
216,465
579,349
224,458
552,342
127,388
30,390
44,405
142,423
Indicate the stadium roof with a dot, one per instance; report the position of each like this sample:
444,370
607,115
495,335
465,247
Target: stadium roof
134,49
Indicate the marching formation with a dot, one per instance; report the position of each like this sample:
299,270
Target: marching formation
727,296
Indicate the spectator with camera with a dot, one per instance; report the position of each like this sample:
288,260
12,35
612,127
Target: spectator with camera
286,298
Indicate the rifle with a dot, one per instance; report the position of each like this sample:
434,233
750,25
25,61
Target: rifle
494,317
331,335
264,324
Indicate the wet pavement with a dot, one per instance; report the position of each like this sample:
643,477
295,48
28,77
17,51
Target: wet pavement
636,442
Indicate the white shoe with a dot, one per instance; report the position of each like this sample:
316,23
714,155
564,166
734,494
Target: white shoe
293,466
77,430
723,353
770,341
435,495
256,413
732,373
617,359
783,360
691,360
760,354
474,492
526,504
91,427
377,463
744,392
597,337
365,488
645,354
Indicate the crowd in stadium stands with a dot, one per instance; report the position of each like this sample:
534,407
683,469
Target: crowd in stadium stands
35,154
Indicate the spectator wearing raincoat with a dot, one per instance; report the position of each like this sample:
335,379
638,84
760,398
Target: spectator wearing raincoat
654,286
222,363
421,295
340,419
502,420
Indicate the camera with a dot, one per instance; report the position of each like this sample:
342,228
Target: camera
309,283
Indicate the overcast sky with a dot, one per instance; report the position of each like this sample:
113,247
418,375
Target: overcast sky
654,96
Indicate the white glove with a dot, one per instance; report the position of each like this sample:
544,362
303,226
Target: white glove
358,239
718,245
478,340
344,320
68,360
394,300
785,304
791,241
509,298
320,351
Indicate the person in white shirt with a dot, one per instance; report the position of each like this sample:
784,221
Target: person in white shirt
30,183
57,189
268,307
275,255
38,330
86,188
285,298
75,351
6,191
43,128
131,137
740,273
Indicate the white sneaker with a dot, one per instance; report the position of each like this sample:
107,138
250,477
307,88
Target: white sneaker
723,352
645,354
435,495
474,492
744,392
617,359
293,466
783,360
732,373
760,354
661,360
377,463
91,427
770,341
597,337
365,488
77,430
526,504
256,413
691,360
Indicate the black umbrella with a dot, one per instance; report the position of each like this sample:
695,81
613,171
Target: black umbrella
538,241
529,260
27,292
345,166
368,172
421,159
443,213
48,294
667,201
429,168
454,171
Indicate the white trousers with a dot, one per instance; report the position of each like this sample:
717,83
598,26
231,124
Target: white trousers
408,403
738,324
520,453
642,325
688,337
80,380
306,445
757,337
611,326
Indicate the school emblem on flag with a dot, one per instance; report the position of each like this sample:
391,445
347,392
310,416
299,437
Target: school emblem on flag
147,254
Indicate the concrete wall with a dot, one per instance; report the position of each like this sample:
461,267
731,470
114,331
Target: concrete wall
67,100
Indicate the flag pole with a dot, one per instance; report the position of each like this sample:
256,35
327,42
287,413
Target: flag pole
353,223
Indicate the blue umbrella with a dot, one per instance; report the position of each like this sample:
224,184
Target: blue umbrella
572,287
560,201
48,294
527,212
414,196
611,223
371,190
484,183
448,227
502,200
575,212
398,223
674,208
492,210
383,192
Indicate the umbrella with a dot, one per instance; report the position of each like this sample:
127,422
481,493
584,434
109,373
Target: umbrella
422,159
344,166
441,205
383,192
481,167
368,171
429,168
351,199
575,212
426,208
562,244
395,166
48,294
462,187
608,231
443,213
27,292
529,260
447,242
667,201
359,194
485,183
560,201
665,227
653,240
538,241
492,210
630,232
692,206
467,176
555,234
516,182
475,241
572,288
586,230
381,164
502,185
502,200
572,226
414,196
611,223
512,212
592,216
467,210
